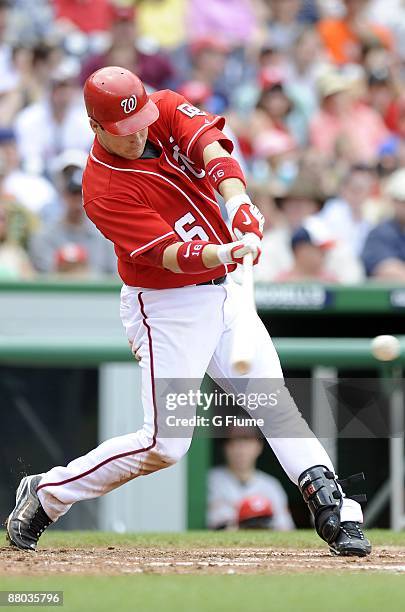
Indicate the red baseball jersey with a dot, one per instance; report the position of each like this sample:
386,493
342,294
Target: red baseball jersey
143,205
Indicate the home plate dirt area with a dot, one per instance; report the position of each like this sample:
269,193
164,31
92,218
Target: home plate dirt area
124,560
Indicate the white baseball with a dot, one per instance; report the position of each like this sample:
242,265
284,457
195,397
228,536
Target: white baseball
385,348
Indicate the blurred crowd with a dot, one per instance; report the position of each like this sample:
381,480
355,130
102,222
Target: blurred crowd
314,95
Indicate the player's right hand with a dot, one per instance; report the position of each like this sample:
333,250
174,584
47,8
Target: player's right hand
234,252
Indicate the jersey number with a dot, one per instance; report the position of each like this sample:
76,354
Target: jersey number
190,111
192,233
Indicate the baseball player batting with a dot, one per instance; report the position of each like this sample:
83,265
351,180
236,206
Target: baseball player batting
150,186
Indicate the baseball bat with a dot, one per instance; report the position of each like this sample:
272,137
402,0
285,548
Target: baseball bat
242,349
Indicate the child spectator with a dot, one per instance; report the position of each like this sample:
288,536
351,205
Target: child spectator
238,479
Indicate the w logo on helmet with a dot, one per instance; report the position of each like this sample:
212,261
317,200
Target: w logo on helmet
129,104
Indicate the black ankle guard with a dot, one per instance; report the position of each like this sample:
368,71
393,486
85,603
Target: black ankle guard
321,492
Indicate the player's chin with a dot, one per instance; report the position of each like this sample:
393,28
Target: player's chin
131,154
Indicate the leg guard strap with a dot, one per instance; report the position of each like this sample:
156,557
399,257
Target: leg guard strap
347,483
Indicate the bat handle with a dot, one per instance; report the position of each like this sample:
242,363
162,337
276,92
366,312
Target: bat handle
247,280
242,353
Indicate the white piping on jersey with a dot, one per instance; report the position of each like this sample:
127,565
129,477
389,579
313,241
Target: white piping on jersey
148,244
171,164
186,175
165,179
198,131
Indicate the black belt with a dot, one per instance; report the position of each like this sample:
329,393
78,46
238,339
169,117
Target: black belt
215,281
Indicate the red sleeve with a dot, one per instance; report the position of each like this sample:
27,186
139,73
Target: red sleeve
154,255
192,128
211,135
134,228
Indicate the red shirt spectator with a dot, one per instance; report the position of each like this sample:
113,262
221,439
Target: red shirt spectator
87,15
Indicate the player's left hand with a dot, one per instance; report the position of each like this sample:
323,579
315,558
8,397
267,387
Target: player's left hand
244,216
234,252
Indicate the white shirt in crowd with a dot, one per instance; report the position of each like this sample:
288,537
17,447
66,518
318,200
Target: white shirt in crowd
33,191
40,138
338,217
391,15
9,76
226,492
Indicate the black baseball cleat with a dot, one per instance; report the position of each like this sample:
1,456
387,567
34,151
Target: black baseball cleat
350,541
28,520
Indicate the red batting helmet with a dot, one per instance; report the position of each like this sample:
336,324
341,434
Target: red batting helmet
117,100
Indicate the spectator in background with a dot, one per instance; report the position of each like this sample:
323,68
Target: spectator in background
32,191
310,244
10,100
310,11
346,37
30,21
208,60
162,21
14,261
153,68
303,71
16,226
9,75
230,485
297,203
57,122
391,15
34,67
61,169
230,20
395,116
324,174
311,117
71,244
301,202
381,93
283,26
345,126
388,157
276,159
345,215
384,251
86,15
274,109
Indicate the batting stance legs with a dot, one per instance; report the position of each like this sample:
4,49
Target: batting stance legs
167,329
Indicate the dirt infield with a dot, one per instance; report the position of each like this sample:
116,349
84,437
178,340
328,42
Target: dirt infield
114,560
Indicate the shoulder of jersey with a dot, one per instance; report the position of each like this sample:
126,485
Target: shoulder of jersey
165,97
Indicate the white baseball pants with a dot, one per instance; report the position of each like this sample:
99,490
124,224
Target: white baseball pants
181,334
